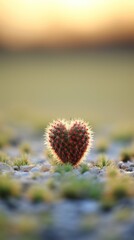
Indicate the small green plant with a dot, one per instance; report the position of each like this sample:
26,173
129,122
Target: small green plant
37,194
113,171
4,158
81,189
127,155
21,161
118,188
68,142
84,168
120,192
107,203
115,188
51,158
63,168
52,184
25,148
103,161
9,188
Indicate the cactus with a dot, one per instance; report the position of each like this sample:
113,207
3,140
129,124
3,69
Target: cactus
69,142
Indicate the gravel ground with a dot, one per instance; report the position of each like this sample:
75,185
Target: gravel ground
62,216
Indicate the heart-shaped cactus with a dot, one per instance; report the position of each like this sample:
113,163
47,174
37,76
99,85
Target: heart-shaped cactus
69,142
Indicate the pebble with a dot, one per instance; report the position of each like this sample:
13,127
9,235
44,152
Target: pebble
132,165
56,174
45,167
131,174
5,167
76,172
130,169
38,161
124,166
66,215
128,231
26,168
87,207
95,171
25,206
128,166
120,164
16,168
21,174
86,174
102,172
47,174
35,169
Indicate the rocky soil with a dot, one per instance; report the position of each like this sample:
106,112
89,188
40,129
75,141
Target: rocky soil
39,200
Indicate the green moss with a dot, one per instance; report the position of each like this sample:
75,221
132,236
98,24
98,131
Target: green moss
107,204
52,184
21,161
120,191
38,194
103,161
112,171
4,158
84,168
63,168
9,188
81,189
118,188
127,155
50,157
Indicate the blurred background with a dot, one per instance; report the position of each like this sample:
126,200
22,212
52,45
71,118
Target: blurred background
71,58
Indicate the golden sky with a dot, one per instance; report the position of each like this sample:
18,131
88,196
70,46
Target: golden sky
55,22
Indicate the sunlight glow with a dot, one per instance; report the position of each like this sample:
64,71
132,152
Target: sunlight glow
50,20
